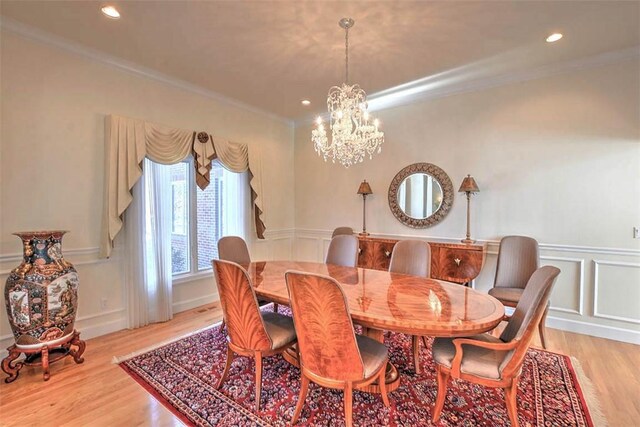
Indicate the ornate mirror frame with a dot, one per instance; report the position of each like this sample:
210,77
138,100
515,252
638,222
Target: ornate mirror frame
447,195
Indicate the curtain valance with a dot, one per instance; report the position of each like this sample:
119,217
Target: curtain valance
128,141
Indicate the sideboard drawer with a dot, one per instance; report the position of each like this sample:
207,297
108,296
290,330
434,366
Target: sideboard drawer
456,265
382,251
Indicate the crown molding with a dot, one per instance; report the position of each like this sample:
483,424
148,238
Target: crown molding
38,35
419,92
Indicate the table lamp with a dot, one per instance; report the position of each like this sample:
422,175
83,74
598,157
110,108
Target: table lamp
364,189
470,187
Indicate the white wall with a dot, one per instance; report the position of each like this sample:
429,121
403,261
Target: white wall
52,155
556,158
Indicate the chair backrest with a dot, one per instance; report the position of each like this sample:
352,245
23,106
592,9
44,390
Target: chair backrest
233,248
342,230
326,340
343,250
240,307
524,321
411,257
518,258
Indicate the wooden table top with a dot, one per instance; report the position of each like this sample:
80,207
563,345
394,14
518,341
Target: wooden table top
390,301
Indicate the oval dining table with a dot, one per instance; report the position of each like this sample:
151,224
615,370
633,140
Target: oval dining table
383,301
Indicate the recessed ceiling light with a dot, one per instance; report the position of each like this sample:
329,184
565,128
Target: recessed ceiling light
554,37
110,12
305,102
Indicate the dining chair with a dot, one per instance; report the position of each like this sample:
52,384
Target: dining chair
342,231
518,258
343,250
331,354
234,249
412,257
490,361
251,332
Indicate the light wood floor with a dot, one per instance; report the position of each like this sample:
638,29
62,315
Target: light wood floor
99,393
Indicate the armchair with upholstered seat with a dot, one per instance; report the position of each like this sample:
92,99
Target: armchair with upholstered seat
518,258
412,257
250,332
495,362
331,354
343,250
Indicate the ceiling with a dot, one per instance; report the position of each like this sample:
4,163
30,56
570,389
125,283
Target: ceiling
273,54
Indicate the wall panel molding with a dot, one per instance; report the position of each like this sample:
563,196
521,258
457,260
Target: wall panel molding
580,284
596,289
492,245
566,316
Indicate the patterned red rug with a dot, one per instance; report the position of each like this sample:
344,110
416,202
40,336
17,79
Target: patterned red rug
179,376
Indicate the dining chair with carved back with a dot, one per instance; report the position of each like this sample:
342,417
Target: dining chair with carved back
491,361
341,231
234,249
251,332
518,258
412,257
330,353
343,250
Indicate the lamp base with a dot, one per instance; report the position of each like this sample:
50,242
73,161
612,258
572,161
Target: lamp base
468,241
363,233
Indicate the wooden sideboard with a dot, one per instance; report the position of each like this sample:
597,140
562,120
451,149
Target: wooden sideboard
453,262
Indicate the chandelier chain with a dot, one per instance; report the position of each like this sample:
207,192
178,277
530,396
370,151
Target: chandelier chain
346,54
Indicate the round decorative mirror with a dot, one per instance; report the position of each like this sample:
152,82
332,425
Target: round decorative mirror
421,195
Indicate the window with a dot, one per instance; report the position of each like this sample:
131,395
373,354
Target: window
199,218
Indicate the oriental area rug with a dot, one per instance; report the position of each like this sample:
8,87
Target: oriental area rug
179,375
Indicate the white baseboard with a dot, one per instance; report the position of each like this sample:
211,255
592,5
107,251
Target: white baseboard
593,329
193,303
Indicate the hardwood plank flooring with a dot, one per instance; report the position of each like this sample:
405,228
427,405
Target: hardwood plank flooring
99,393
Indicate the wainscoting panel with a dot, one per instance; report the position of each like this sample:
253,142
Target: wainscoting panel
602,301
307,248
568,292
616,291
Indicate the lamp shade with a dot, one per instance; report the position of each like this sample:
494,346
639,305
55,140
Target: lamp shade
365,188
469,185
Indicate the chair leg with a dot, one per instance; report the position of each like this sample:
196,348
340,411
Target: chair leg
222,325
443,379
227,366
510,398
541,328
348,404
304,386
382,382
415,344
275,307
424,341
258,357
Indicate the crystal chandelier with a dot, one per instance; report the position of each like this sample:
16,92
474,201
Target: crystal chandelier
354,133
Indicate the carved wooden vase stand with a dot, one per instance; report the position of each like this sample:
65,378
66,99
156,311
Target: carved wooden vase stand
41,297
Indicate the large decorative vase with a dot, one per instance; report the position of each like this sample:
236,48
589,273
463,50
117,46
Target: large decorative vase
41,297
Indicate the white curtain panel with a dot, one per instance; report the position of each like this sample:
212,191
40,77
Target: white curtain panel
148,249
